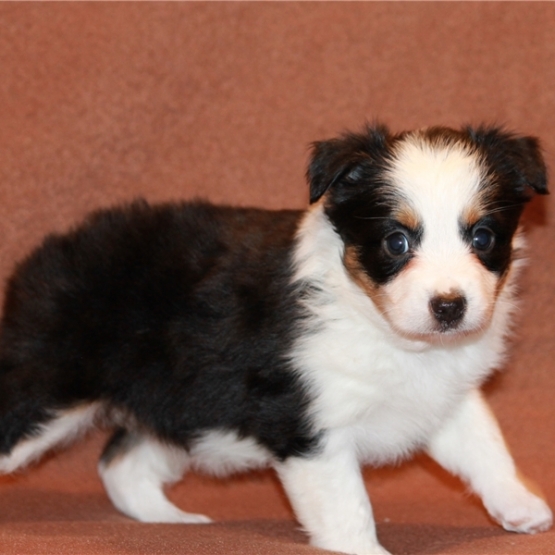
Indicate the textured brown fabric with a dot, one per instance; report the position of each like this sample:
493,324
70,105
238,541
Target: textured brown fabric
100,103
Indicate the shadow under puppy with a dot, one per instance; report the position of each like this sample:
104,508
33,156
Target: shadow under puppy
223,339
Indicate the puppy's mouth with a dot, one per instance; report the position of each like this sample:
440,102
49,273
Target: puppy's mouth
444,330
449,318
441,338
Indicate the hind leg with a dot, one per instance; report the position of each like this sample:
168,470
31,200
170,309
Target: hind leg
135,468
61,428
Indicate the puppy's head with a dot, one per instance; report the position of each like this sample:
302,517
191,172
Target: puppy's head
429,219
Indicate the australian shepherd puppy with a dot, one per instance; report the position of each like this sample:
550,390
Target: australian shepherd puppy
223,339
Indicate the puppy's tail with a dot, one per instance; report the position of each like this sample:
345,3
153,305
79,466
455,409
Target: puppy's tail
30,423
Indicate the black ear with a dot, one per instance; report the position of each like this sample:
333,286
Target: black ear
516,158
335,159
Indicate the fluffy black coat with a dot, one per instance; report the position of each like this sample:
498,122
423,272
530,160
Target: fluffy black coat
169,314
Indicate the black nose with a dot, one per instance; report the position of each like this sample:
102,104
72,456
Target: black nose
448,310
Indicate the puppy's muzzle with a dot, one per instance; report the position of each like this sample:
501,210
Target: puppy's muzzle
448,310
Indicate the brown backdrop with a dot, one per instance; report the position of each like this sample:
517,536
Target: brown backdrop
100,103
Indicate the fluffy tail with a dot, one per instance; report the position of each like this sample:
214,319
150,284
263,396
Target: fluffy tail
29,425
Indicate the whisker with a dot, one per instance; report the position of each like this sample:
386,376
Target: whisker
496,210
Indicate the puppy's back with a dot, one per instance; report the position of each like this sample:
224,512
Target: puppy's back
174,315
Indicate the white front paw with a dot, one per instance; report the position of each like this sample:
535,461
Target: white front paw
519,510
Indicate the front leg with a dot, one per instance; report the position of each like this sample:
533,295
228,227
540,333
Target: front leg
329,497
471,445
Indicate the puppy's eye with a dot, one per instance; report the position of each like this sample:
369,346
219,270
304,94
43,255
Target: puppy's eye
483,239
396,244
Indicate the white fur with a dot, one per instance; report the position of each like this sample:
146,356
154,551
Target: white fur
385,383
134,482
223,453
62,429
329,498
135,479
471,446
439,184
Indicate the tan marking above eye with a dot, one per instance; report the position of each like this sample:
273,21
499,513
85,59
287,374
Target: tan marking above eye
475,211
472,214
407,217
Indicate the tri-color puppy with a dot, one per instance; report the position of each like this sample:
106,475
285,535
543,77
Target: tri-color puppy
223,339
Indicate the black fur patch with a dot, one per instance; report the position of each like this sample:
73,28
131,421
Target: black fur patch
182,316
360,202
515,171
121,442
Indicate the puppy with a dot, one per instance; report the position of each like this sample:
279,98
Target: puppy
223,339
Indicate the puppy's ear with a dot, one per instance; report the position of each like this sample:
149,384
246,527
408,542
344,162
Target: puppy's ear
332,161
518,159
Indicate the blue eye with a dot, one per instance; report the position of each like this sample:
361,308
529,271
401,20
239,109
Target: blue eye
396,244
483,239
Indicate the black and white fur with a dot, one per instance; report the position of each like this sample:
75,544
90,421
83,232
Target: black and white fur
223,339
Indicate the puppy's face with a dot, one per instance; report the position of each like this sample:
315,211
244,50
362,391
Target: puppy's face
428,219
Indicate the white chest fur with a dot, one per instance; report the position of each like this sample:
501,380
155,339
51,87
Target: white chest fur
389,400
